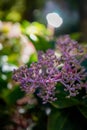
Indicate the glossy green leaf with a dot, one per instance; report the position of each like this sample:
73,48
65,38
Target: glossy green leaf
67,119
83,110
63,102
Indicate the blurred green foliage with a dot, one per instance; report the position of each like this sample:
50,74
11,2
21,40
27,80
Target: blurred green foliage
14,38
11,10
16,10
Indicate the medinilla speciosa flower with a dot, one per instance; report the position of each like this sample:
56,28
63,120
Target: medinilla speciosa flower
42,76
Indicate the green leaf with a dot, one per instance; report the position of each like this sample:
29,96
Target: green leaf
63,102
76,35
83,110
11,96
33,58
37,28
56,120
41,43
66,119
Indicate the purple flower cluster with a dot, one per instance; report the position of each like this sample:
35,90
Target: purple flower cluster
42,76
50,69
68,47
73,75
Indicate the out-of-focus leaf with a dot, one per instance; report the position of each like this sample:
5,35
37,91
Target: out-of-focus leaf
33,58
83,110
13,59
63,102
37,28
24,26
11,96
84,100
57,120
67,119
3,83
41,43
76,35
13,16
